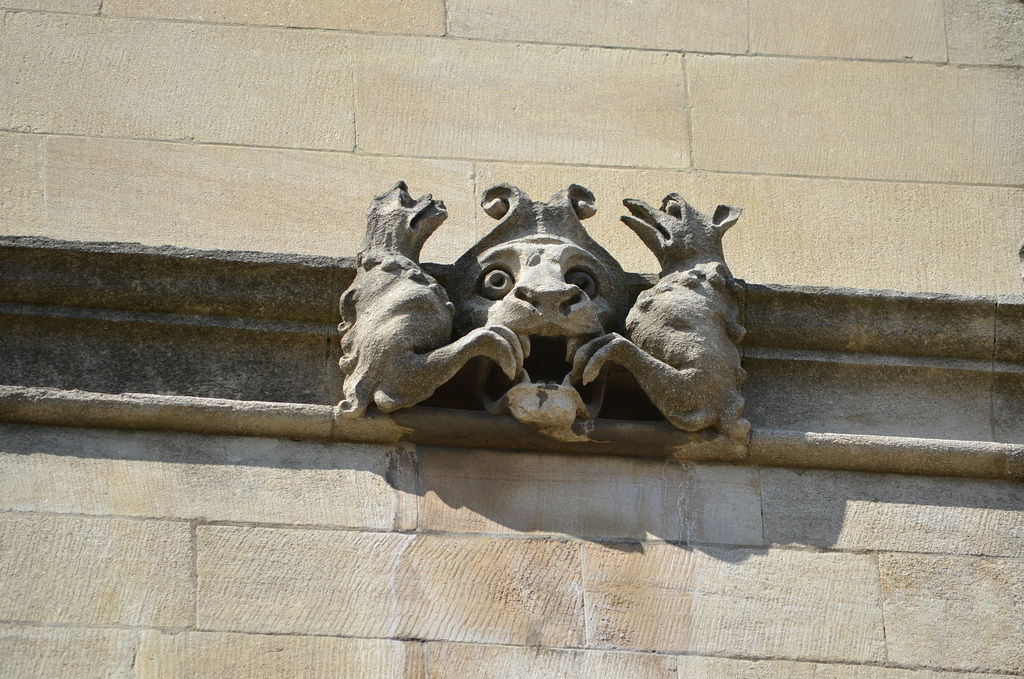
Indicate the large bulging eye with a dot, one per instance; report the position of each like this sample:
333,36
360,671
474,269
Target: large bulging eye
582,280
496,283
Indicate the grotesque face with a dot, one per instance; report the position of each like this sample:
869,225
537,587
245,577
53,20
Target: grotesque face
539,275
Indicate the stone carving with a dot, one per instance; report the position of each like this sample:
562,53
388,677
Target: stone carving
539,313
396,328
681,335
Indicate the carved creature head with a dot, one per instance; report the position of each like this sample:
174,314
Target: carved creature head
539,274
398,225
680,236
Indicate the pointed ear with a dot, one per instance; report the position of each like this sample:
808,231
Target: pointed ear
725,216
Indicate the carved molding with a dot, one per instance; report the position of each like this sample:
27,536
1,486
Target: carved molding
534,320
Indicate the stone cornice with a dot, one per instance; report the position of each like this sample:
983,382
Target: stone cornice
851,379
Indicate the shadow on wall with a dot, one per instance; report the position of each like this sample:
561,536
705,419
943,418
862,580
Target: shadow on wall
729,512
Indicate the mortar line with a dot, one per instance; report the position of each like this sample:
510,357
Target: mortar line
945,28
423,659
688,109
992,373
519,646
881,610
516,162
587,625
750,30
420,36
46,198
194,538
447,29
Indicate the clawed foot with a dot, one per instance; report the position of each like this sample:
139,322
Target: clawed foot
591,358
499,344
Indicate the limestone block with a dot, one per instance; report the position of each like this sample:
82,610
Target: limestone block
472,99
21,184
455,661
986,32
185,476
76,6
697,667
240,198
778,603
884,398
379,584
693,25
64,569
589,497
856,119
954,612
890,512
876,29
248,656
384,16
804,231
164,80
65,652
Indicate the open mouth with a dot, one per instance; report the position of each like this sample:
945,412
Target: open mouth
431,212
546,368
642,214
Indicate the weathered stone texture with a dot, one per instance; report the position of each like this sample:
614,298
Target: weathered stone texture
386,16
163,80
21,184
777,603
875,29
954,612
205,654
856,119
697,667
82,570
692,25
75,6
589,497
801,230
374,584
889,512
986,32
31,652
197,196
884,398
453,98
456,661
216,478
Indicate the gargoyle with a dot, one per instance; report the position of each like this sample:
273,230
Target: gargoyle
396,329
681,335
540,275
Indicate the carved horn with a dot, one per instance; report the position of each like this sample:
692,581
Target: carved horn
499,200
582,201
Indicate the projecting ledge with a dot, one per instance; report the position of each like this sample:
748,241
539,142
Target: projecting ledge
454,428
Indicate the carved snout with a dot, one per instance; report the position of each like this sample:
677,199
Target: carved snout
549,299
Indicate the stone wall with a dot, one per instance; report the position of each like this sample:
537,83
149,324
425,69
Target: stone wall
153,554
874,144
